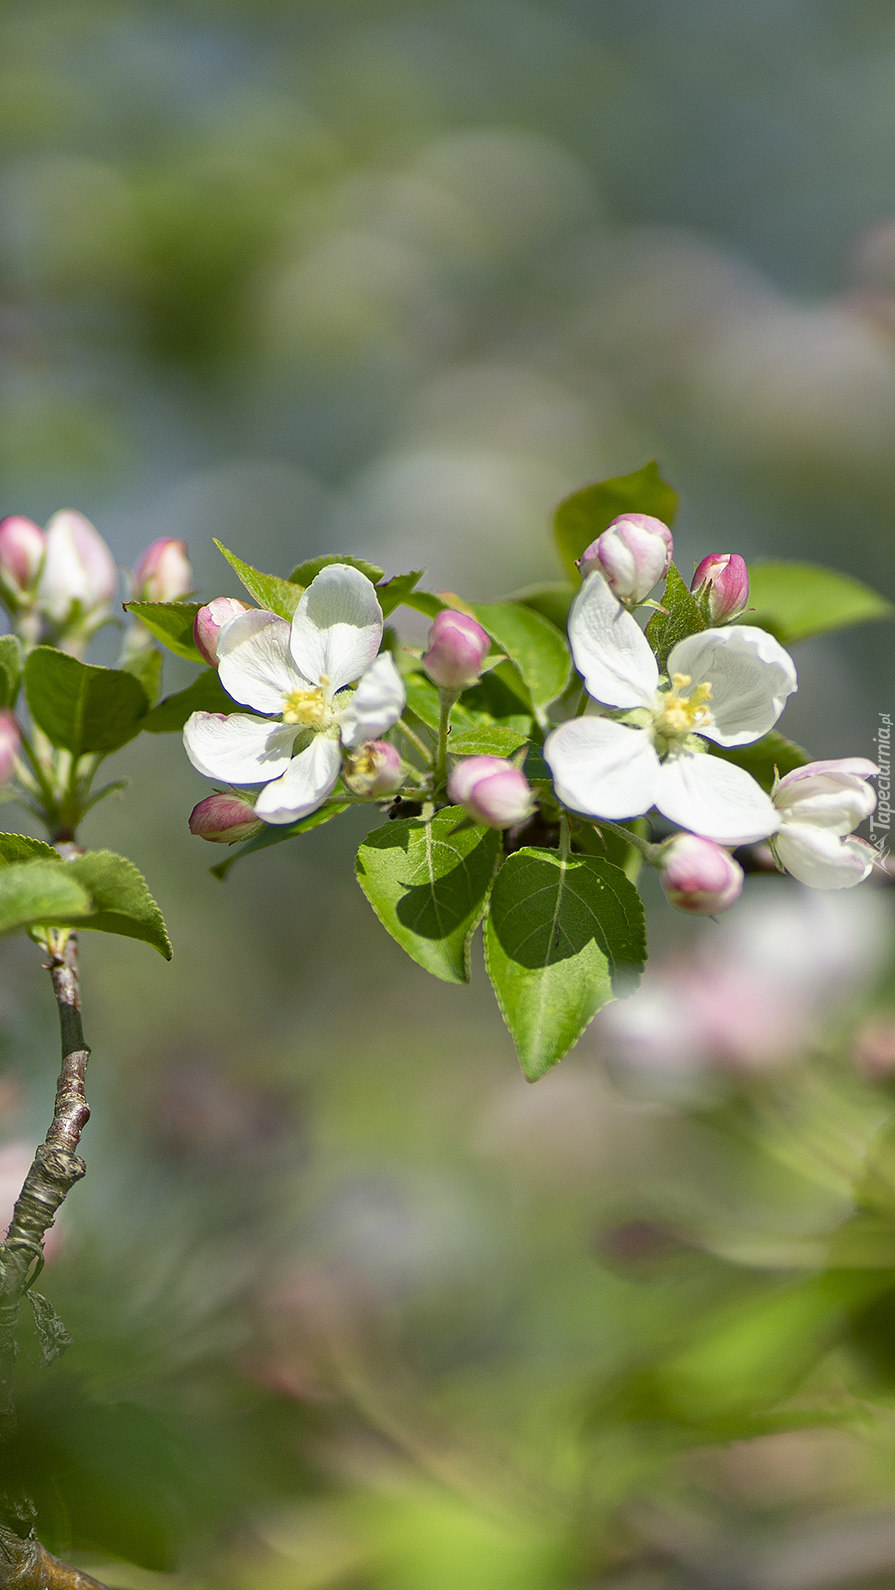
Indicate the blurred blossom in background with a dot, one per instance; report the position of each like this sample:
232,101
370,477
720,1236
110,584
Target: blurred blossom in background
353,1305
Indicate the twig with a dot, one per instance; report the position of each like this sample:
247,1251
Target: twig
55,1168
27,1565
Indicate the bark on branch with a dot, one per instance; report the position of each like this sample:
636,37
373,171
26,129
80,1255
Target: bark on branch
55,1169
26,1565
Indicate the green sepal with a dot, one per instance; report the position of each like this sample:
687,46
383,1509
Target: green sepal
205,694
680,619
584,515
80,707
172,624
11,664
269,591
305,572
274,834
531,642
559,935
428,882
796,601
772,753
397,589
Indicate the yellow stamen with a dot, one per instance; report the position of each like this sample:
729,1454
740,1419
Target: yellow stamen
680,714
307,707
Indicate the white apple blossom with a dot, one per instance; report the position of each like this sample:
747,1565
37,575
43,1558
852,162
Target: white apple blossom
818,806
299,674
727,685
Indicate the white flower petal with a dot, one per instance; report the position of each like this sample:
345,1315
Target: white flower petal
255,664
817,857
603,768
337,627
236,748
611,652
835,801
377,703
306,782
714,798
859,766
750,675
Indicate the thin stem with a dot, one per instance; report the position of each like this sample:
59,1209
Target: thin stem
447,699
415,740
565,838
649,852
55,1169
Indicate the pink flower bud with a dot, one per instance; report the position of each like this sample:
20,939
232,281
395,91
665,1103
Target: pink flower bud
210,620
163,574
492,790
224,819
456,648
697,875
22,548
632,555
374,769
10,741
721,583
79,574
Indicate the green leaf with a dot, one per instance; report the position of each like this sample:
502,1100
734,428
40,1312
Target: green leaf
80,707
396,590
11,662
205,694
274,834
495,741
423,702
121,901
798,600
425,602
532,643
552,600
21,847
763,756
579,519
683,617
146,666
308,571
172,624
428,883
270,592
499,697
558,934
41,893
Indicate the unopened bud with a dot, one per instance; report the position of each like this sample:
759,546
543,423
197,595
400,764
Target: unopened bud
721,586
224,819
79,574
374,769
10,741
698,875
492,790
210,620
456,647
163,574
22,548
632,554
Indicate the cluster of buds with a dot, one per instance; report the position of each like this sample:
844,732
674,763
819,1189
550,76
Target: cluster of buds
65,574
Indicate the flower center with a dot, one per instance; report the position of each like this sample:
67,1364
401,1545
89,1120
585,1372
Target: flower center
678,714
309,708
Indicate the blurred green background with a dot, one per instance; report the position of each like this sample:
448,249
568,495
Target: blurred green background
354,1306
